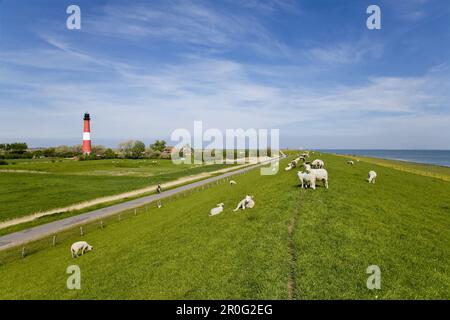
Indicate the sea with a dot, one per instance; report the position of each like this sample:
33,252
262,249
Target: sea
435,157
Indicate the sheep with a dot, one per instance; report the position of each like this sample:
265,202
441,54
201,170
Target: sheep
289,167
80,248
317,164
216,210
320,175
232,182
304,155
350,162
247,202
372,176
306,179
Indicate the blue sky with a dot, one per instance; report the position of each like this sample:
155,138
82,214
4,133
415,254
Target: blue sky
310,68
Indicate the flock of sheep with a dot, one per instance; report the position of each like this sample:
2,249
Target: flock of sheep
314,172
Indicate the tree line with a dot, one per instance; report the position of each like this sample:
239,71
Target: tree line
130,149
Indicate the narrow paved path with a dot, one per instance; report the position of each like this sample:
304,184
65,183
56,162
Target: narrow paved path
24,236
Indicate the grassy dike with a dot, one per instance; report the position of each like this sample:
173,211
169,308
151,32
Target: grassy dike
300,244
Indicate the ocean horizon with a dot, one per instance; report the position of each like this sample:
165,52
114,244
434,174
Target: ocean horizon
434,157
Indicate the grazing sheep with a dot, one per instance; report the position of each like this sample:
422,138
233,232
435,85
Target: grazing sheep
247,202
320,174
232,182
317,164
372,176
289,167
306,179
350,162
79,248
216,210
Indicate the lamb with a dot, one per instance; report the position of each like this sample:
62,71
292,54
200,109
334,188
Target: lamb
247,202
232,182
320,175
372,176
289,167
350,162
80,248
306,179
216,210
317,164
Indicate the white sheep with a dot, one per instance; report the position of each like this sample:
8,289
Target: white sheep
372,176
350,162
232,182
80,248
289,167
247,202
306,179
216,210
317,164
320,175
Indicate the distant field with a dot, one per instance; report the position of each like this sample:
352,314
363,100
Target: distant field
302,244
38,185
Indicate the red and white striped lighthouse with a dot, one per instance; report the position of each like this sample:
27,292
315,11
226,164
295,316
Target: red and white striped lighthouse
87,134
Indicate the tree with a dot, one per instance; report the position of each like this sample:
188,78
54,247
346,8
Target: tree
125,148
138,149
49,152
109,154
98,150
158,145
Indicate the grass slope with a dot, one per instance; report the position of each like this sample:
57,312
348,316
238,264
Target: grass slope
177,252
401,224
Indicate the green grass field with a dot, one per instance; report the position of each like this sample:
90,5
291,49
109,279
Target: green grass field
302,244
39,185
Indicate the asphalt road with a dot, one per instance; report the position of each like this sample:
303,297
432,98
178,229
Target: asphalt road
27,235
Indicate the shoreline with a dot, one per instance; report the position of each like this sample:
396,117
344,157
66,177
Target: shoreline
383,157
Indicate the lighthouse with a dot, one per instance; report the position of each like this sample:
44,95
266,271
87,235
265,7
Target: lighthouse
87,134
